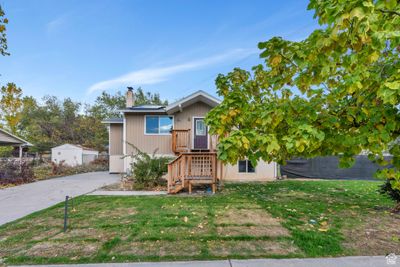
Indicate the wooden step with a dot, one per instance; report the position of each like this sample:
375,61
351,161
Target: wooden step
175,189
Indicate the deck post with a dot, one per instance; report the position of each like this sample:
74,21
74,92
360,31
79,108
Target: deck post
169,184
183,172
20,153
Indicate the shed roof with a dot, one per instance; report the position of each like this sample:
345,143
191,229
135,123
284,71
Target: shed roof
76,146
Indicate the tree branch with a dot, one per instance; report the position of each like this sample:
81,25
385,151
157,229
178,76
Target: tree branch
393,12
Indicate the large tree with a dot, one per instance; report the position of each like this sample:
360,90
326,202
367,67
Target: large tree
335,93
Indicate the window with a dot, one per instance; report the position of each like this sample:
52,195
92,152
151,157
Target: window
158,124
245,166
200,128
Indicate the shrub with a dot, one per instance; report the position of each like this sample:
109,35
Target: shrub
52,169
147,170
387,188
16,172
101,161
58,168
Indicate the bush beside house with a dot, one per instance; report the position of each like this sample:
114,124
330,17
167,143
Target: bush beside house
147,170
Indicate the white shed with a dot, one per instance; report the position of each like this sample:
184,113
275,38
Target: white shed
73,155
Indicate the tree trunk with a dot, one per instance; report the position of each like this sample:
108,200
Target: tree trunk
396,209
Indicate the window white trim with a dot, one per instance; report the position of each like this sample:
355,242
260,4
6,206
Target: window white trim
247,167
193,129
157,134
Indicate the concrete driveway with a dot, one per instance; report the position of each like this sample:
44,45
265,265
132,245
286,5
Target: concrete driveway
19,201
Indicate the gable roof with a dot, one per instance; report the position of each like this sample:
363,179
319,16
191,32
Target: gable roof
8,139
145,109
198,96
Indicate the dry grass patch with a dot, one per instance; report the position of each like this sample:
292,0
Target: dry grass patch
251,248
246,216
293,193
175,232
86,233
62,249
158,248
255,231
378,235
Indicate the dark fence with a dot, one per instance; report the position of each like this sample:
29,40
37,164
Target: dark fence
328,168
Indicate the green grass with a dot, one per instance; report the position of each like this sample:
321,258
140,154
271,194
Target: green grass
277,219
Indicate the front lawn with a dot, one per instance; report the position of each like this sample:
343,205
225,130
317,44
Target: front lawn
277,219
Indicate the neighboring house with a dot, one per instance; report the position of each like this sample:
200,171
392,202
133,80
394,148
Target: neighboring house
177,130
73,155
8,139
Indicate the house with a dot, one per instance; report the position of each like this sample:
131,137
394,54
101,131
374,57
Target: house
73,155
8,139
177,130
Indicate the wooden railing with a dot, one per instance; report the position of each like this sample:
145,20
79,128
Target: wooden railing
180,141
191,166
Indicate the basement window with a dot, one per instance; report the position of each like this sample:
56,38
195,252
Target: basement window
158,124
245,166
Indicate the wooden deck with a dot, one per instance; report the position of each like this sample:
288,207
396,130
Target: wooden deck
192,167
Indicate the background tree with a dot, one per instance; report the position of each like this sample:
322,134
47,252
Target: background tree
10,106
335,93
3,39
142,98
107,105
54,122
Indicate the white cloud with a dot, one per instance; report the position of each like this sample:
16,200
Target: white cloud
160,74
57,23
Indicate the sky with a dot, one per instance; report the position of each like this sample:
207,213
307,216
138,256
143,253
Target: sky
79,48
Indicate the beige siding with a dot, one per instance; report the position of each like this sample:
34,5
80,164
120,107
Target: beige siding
116,139
146,143
116,164
183,120
264,172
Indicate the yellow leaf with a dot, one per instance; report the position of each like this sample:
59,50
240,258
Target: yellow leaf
275,60
373,57
357,12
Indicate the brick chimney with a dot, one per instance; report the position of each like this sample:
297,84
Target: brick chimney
130,98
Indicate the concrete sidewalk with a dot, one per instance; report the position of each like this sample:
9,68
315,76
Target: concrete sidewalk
19,201
367,261
127,193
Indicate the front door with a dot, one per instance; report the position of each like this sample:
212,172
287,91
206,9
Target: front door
200,134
